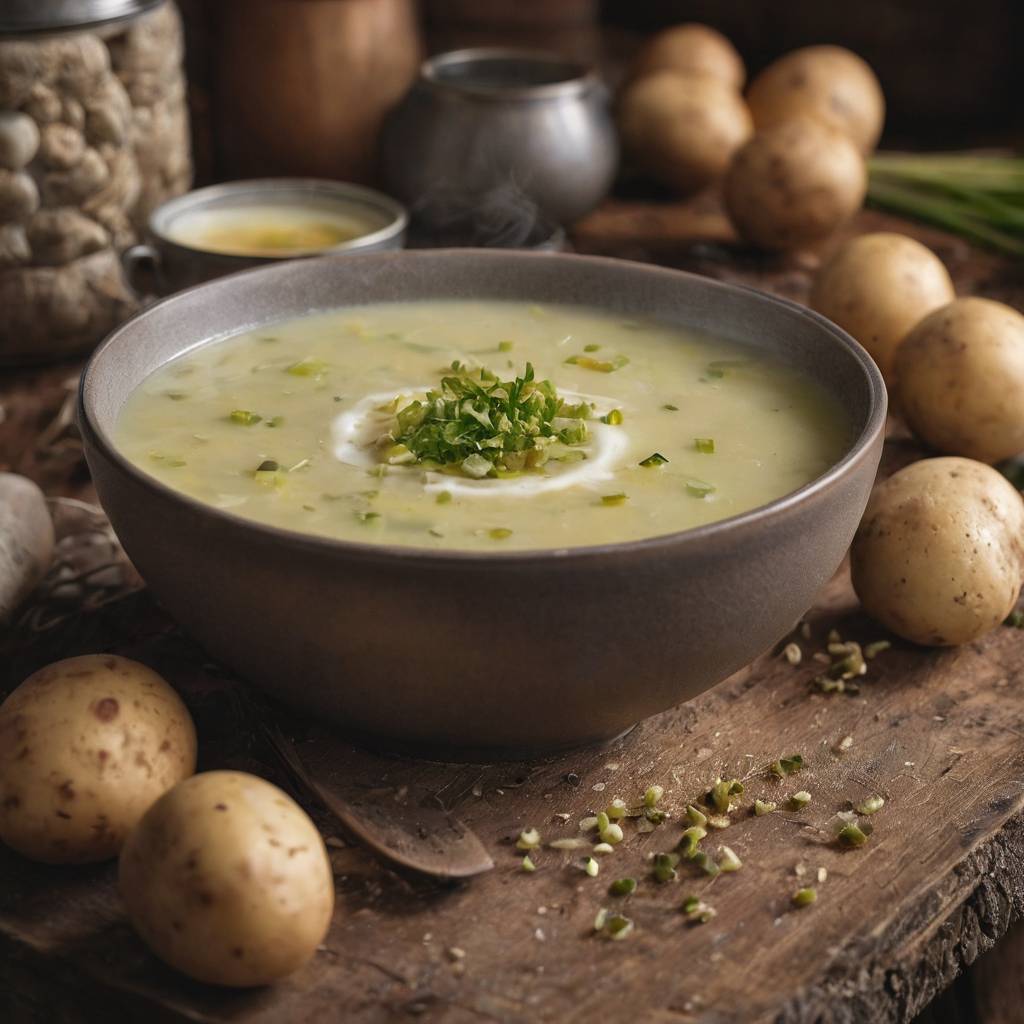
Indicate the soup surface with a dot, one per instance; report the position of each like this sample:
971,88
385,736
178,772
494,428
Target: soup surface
258,229
339,424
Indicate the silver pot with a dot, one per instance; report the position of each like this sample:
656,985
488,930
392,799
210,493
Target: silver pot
488,127
164,265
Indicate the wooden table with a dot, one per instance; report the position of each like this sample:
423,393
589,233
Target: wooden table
938,734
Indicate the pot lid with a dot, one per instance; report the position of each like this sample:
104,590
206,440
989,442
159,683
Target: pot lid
30,17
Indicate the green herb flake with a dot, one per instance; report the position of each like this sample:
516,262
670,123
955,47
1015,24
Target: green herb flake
697,910
706,863
705,445
243,417
655,459
590,867
367,517
443,498
873,650
690,840
852,835
728,862
611,834
506,346
613,417
762,807
591,347
614,499
307,368
872,805
696,816
622,887
599,365
805,897
653,794
798,801
499,533
617,927
171,461
527,865
617,809
698,488
663,867
529,839
787,765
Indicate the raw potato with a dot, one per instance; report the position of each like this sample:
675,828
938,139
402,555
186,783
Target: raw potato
26,540
939,555
960,379
827,83
228,880
683,130
86,745
794,184
692,49
878,287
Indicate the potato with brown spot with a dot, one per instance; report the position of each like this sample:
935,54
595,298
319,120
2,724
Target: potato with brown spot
829,84
227,880
794,184
694,50
86,746
960,380
878,287
939,555
683,130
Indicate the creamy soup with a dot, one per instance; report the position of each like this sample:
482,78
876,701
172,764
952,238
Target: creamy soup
259,229
480,425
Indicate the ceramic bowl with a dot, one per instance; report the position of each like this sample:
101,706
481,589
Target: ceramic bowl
568,646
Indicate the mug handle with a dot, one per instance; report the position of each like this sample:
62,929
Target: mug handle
141,265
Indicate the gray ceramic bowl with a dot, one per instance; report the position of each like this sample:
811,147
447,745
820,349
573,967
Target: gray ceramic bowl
569,646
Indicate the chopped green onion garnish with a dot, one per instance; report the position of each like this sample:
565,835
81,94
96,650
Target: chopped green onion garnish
653,795
614,499
798,801
600,365
591,867
852,835
699,488
872,650
764,807
690,839
529,839
872,805
176,396
696,816
603,848
613,417
367,517
705,445
719,821
612,834
244,417
655,459
267,466
591,347
617,809
622,887
727,860
527,864
721,793
664,867
443,497
499,533
697,910
307,368
705,863
805,897
617,927
787,765
601,821
505,346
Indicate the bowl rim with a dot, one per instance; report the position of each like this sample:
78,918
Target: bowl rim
583,76
396,214
703,537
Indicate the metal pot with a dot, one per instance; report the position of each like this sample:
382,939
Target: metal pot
478,123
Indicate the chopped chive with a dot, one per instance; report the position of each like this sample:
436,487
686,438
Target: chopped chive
590,867
719,821
805,897
690,840
613,417
443,497
499,533
573,843
798,801
591,347
696,816
852,835
244,417
617,927
307,368
622,887
727,860
367,517
614,499
653,794
506,346
690,904
664,867
603,848
705,445
872,805
655,459
697,910
764,807
529,839
698,488
600,365
670,408
527,864
787,765
611,834
617,809
705,863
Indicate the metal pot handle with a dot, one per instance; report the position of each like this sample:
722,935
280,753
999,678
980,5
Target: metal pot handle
141,264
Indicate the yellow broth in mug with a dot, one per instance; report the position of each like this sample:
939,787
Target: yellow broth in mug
555,427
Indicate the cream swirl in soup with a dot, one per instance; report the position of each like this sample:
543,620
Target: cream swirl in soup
480,425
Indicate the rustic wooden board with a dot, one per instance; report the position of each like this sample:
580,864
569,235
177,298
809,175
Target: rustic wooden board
940,734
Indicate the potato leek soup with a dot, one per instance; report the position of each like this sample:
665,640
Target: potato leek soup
480,425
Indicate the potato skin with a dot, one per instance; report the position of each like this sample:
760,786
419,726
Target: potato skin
683,130
827,83
794,184
227,880
939,555
878,287
86,745
960,379
692,49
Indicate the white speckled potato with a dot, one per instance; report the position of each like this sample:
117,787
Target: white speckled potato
939,555
692,49
227,880
86,746
879,287
828,83
683,130
960,379
793,184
